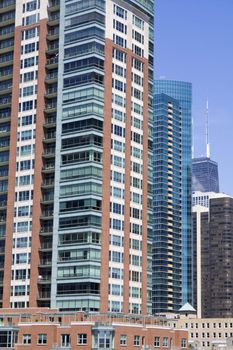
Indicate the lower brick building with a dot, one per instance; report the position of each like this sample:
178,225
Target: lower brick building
52,330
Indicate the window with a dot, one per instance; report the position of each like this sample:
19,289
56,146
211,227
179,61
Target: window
136,341
65,340
23,196
21,259
27,338
116,273
21,274
119,55
104,340
29,62
157,342
30,33
27,120
42,339
183,343
29,76
120,12
82,338
138,22
20,290
30,20
22,242
116,240
116,289
31,5
123,339
165,342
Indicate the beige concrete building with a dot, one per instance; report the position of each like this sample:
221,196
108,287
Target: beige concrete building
205,333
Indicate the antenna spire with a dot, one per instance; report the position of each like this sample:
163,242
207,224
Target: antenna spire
207,130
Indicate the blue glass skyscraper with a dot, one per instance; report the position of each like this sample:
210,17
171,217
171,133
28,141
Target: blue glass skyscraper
182,92
167,200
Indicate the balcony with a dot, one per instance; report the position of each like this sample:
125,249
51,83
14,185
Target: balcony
3,204
48,168
5,102
45,262
49,198
54,18
47,214
44,295
50,122
49,152
7,5
61,347
54,5
7,46
6,60
46,245
49,137
6,74
2,219
6,19
50,108
7,33
46,230
48,183
53,34
51,78
44,280
51,92
52,48
52,63
5,88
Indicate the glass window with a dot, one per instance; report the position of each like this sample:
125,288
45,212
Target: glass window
82,339
165,342
157,341
123,339
27,338
183,342
136,341
42,338
65,340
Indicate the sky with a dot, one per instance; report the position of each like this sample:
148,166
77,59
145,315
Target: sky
194,42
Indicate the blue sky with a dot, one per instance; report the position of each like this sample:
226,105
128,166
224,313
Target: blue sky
194,42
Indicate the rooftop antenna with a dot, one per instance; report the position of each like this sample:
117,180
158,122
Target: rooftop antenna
207,130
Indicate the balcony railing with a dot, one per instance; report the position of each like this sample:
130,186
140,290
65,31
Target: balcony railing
47,213
48,182
54,31
54,17
50,106
50,120
52,60
51,76
44,295
46,198
52,90
46,229
6,3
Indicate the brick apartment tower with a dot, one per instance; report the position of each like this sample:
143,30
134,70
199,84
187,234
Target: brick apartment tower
76,119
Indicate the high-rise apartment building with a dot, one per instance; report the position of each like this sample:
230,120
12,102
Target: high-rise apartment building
205,175
182,92
213,232
200,257
167,204
76,119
